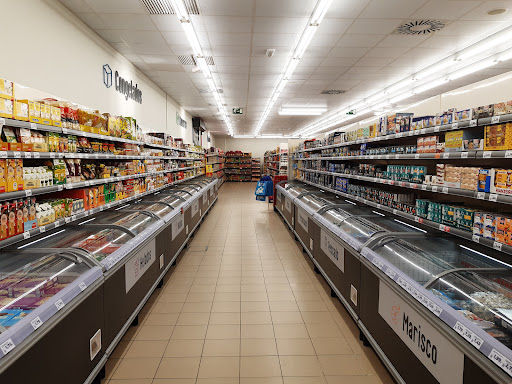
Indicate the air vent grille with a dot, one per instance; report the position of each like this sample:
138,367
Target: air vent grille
420,27
189,60
158,7
164,7
333,92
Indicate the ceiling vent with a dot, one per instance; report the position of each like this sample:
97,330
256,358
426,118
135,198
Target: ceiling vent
420,27
333,92
189,60
164,7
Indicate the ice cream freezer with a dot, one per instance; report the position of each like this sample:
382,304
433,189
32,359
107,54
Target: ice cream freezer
45,297
290,191
439,309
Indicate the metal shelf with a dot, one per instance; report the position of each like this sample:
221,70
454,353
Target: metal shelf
76,155
493,197
420,132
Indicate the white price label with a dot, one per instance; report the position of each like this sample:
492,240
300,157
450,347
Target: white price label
96,156
42,229
59,304
434,188
446,155
411,133
476,238
480,195
487,154
493,197
455,125
417,156
390,273
387,156
17,155
424,187
378,263
57,224
445,189
33,126
442,227
73,217
64,131
28,155
7,346
464,155
36,155
2,121
495,120
3,155
497,245
26,235
397,156
508,154
60,187
28,192
36,323
423,131
399,135
82,286
436,129
395,211
472,123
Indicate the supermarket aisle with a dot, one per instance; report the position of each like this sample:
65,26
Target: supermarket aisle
243,306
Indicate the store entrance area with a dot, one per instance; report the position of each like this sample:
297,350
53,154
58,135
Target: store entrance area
243,306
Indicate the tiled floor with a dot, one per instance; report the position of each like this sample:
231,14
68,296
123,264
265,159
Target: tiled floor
243,306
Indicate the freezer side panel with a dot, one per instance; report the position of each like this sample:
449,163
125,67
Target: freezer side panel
405,362
303,222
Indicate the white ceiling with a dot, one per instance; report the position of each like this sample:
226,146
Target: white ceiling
355,50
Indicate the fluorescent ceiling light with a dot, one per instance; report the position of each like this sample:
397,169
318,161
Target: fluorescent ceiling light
401,97
317,16
180,9
290,111
472,69
430,85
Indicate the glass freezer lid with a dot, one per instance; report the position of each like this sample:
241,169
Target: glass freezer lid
136,222
296,190
29,280
482,297
336,215
357,230
172,200
99,243
159,209
424,257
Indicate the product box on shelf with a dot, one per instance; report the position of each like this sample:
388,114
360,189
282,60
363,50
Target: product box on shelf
55,116
483,111
465,114
498,137
34,111
21,110
6,89
456,141
6,108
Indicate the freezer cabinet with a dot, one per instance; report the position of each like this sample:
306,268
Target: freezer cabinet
339,234
291,193
51,316
437,309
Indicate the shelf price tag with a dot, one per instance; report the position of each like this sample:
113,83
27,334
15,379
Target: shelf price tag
397,156
423,131
417,156
464,155
495,120
59,304
424,187
480,195
33,126
472,123
436,129
434,188
445,190
52,155
36,323
413,185
28,155
60,187
390,273
17,155
82,286
497,245
411,133
42,229
378,263
418,219
398,135
476,238
26,235
28,192
455,125
487,154
446,155
444,228
395,211
2,121
7,346
493,197
67,219
3,155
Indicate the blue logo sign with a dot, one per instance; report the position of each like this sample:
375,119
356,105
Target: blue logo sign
107,76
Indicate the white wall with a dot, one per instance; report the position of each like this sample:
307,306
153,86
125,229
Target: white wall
51,50
257,147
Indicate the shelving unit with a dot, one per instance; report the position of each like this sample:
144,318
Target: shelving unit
215,166
256,169
161,166
238,166
275,162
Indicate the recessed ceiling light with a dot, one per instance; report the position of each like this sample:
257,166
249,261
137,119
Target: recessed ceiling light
497,11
